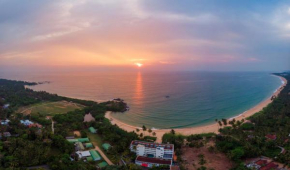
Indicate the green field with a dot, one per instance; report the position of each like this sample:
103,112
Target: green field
95,138
50,108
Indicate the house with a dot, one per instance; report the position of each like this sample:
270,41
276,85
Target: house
48,117
78,140
95,155
102,164
79,146
152,150
271,137
5,134
92,130
83,154
6,106
69,137
89,159
106,146
35,125
26,122
5,122
257,164
261,162
150,162
270,166
89,145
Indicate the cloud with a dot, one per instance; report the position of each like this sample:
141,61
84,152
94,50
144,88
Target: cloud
253,59
135,6
122,32
281,20
167,62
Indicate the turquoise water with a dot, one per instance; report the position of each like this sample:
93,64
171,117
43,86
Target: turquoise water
195,98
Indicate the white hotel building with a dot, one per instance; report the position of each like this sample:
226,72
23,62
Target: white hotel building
154,153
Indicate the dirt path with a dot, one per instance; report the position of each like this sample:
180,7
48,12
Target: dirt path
52,126
102,154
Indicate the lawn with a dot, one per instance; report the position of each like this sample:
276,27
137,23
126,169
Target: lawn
50,108
95,138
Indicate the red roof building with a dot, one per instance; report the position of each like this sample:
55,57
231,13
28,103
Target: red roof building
261,162
270,166
149,162
35,125
271,137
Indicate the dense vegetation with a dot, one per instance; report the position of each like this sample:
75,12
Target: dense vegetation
32,146
246,140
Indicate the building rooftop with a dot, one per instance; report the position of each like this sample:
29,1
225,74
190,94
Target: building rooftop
272,137
5,134
106,146
89,145
35,125
153,160
79,146
269,166
83,153
92,130
152,145
95,155
90,158
102,164
78,140
261,162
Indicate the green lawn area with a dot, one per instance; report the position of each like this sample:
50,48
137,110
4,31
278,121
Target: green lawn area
50,108
95,138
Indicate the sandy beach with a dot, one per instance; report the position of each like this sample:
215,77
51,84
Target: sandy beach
199,129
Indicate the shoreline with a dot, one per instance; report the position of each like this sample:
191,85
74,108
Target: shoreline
214,127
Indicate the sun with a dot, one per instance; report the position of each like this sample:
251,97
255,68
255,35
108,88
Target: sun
139,64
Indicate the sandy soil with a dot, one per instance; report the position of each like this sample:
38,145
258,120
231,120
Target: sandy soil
196,130
215,160
77,133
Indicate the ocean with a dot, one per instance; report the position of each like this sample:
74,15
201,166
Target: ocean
163,99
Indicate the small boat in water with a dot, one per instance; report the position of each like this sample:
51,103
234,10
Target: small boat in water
167,97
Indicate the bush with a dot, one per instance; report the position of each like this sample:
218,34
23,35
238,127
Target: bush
150,138
83,134
247,126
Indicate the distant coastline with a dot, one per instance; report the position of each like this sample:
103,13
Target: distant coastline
204,128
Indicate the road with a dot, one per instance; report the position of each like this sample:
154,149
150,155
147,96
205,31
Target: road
102,154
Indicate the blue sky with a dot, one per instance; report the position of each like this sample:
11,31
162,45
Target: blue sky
165,34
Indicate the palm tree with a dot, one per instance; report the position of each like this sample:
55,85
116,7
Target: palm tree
220,123
225,121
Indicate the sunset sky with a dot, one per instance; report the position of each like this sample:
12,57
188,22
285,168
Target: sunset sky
160,34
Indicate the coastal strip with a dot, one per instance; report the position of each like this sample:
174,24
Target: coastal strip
199,129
